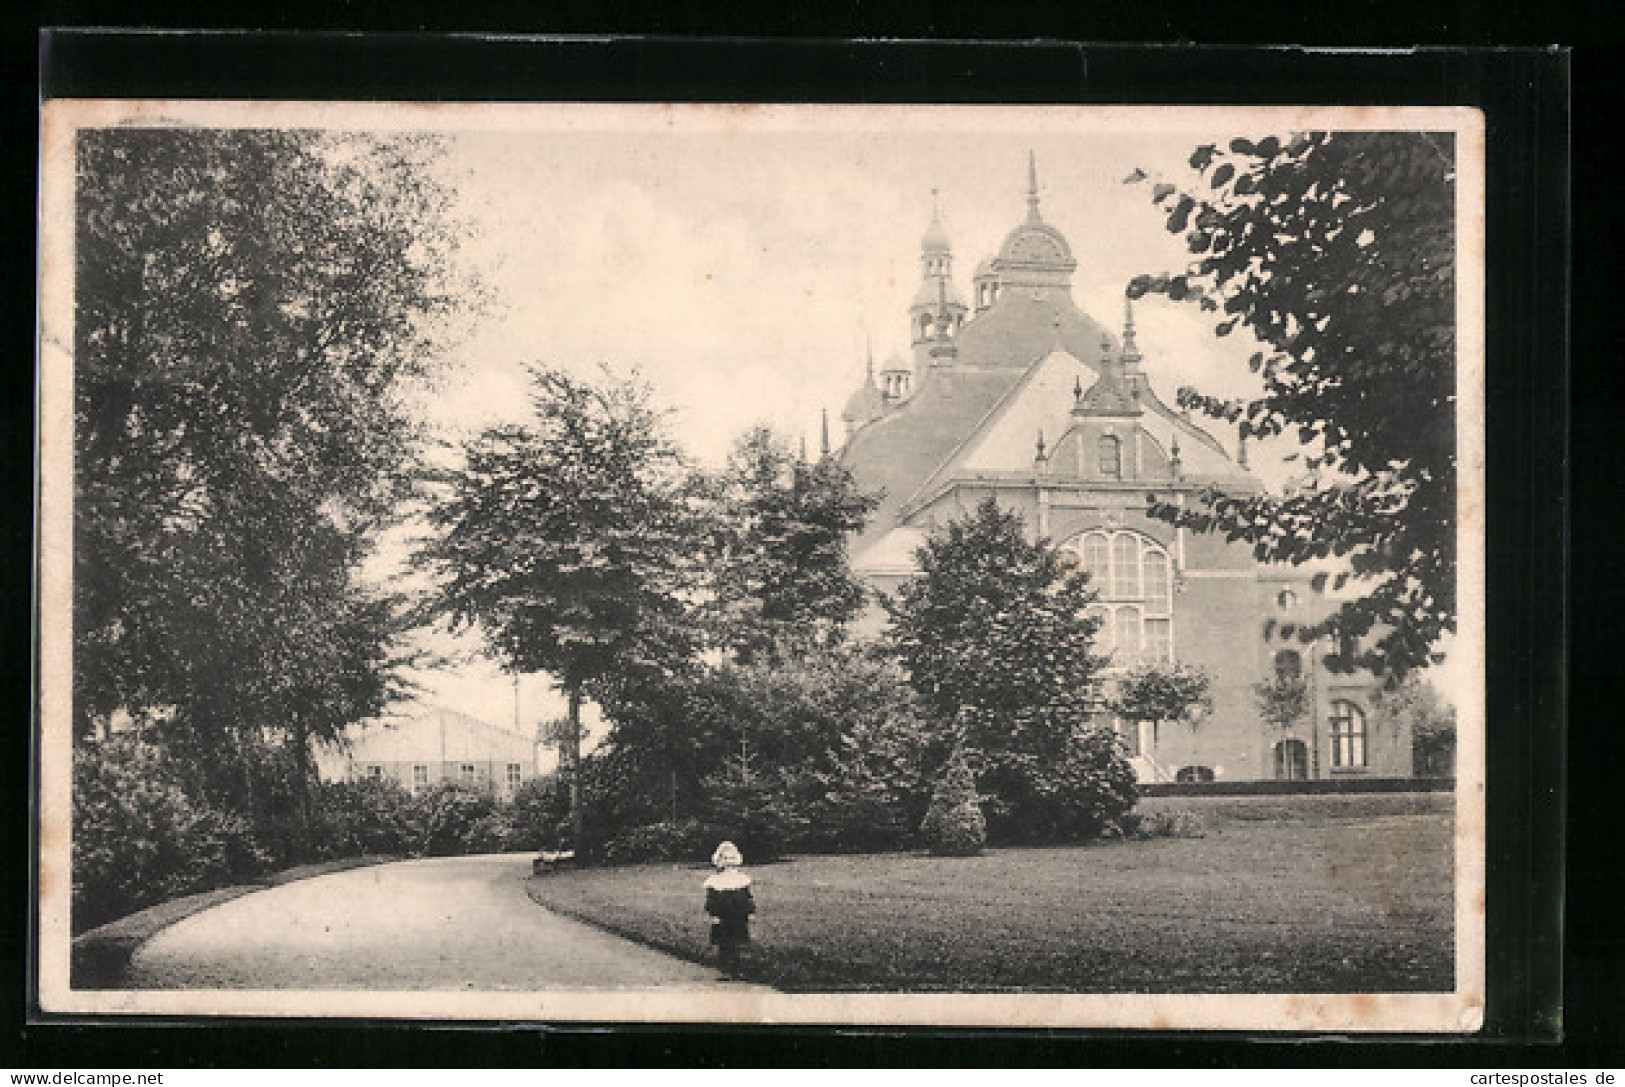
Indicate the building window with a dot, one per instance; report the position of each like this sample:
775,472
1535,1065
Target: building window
1134,577
420,777
466,773
1291,761
1348,736
1286,599
515,775
1194,773
1288,665
1111,457
375,772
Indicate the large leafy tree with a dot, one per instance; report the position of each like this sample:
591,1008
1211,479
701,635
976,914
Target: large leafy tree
778,548
996,639
1337,251
250,309
565,541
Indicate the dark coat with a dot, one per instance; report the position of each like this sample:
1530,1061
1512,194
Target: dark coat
732,909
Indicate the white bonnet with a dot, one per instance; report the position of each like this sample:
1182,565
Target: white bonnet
727,856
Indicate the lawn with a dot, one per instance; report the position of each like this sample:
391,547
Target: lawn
1283,894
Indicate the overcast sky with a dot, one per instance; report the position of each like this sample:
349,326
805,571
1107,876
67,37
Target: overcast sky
741,270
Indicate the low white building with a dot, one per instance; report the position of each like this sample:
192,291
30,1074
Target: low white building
421,745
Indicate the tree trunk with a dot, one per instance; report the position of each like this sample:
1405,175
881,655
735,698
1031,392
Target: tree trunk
577,823
301,786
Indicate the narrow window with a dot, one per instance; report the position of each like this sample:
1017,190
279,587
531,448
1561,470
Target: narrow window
1348,736
1158,592
1159,639
1111,457
1128,635
1125,566
466,773
420,777
515,775
1096,558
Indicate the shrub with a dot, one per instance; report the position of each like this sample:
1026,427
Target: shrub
539,808
683,840
138,838
359,817
953,825
1179,823
453,819
1081,794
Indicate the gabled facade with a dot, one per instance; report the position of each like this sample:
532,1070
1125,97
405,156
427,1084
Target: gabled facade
423,745
1023,397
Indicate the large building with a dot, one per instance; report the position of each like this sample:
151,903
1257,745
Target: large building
1021,396
421,745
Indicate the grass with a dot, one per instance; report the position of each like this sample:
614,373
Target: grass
1283,894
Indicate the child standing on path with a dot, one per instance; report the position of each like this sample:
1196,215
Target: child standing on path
728,901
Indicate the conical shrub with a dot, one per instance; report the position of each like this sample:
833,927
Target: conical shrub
953,825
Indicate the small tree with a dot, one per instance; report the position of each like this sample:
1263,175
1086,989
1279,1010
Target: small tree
1418,705
564,540
1158,692
954,825
996,636
1283,701
777,549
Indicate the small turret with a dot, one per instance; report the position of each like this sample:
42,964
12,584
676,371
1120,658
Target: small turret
894,381
936,302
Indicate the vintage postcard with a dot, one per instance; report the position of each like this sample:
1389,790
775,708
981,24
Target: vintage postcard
846,565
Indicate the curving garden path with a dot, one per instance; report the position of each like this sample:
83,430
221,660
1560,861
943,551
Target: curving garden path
447,923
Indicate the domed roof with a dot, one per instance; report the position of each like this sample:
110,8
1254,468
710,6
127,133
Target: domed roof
984,267
895,364
864,405
1035,243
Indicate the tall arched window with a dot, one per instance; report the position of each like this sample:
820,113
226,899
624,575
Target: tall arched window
1348,736
1111,457
1134,578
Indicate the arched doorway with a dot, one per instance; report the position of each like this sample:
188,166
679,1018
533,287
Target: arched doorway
1291,761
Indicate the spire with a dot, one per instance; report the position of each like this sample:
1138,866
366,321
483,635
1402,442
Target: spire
1032,189
823,437
936,237
869,354
1041,457
803,449
1131,349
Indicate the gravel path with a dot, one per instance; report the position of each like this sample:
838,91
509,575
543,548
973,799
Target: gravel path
449,923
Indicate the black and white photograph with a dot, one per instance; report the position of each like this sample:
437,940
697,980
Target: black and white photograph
1008,566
